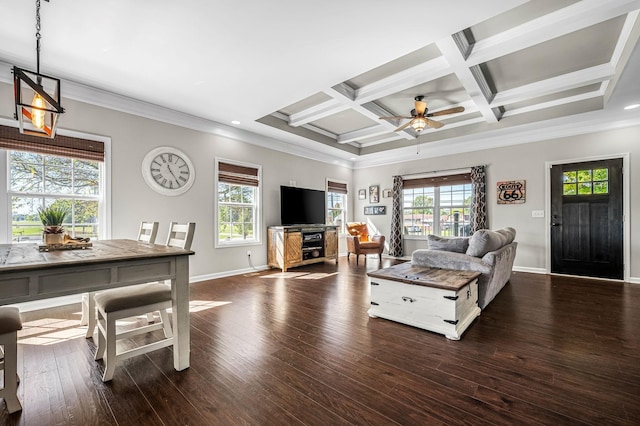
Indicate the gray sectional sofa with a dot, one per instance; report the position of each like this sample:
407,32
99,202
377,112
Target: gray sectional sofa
489,252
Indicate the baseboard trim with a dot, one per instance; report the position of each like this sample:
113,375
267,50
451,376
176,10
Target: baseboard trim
529,270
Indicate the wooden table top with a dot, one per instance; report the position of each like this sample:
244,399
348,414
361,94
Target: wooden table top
429,277
28,256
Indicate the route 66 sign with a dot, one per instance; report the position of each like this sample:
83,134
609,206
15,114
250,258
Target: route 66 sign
511,192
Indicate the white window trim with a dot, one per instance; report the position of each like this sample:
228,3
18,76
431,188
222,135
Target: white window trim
345,210
257,232
436,210
105,179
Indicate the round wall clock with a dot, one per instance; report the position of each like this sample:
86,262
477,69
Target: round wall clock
168,171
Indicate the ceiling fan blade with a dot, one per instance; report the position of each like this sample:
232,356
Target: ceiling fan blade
420,107
396,117
404,126
434,124
446,112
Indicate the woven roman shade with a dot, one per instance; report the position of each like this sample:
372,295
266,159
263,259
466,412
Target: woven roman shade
238,175
437,181
65,146
337,187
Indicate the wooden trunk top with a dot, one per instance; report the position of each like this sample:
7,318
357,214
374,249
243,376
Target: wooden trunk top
28,256
447,279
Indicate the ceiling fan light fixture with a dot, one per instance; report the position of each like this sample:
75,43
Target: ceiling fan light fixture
37,96
418,124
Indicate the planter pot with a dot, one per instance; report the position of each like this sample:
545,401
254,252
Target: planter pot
53,238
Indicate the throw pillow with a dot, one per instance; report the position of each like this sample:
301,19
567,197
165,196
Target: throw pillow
483,241
455,244
509,234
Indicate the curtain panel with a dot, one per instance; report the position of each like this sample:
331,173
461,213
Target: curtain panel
479,199
395,239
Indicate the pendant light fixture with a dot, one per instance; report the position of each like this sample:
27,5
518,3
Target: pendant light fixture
37,96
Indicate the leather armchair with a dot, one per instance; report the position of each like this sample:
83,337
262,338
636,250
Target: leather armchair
357,247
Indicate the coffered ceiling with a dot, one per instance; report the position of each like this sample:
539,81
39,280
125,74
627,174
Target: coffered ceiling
539,61
313,79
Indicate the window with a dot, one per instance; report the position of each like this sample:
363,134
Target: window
440,206
238,203
585,182
336,203
37,180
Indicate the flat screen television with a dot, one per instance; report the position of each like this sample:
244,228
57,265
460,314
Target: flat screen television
301,206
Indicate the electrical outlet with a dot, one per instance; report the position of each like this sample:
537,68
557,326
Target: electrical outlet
249,253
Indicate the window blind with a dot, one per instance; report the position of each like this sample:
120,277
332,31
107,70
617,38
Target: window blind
65,146
338,187
238,175
437,181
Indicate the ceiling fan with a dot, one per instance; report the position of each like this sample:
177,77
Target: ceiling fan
420,117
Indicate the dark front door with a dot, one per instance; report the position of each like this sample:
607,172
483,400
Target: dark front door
586,219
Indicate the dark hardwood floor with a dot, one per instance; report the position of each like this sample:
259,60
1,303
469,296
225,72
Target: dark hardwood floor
276,351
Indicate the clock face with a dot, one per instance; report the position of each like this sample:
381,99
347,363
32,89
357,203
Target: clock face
168,171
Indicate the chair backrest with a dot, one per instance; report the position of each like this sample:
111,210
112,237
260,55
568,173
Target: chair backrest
148,232
359,230
181,235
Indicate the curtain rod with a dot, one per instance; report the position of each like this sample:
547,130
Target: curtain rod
460,169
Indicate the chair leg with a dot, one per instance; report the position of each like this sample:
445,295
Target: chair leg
10,390
102,343
166,324
91,314
110,359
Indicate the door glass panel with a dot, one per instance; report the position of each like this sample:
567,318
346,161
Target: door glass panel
585,182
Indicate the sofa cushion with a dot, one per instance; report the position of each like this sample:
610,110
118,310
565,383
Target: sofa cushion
483,241
509,234
455,244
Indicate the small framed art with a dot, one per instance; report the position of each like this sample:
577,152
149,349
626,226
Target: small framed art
362,194
374,194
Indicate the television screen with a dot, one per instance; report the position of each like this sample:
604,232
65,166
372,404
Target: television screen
300,206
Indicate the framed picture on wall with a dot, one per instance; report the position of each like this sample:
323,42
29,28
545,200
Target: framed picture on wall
362,194
386,193
374,194
375,210
511,192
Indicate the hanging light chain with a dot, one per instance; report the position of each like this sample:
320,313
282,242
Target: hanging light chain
38,38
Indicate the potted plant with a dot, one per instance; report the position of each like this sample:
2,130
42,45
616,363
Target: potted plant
52,218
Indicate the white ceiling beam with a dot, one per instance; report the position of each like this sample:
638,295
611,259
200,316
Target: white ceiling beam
459,65
372,111
556,102
411,77
414,76
572,18
552,85
365,133
316,112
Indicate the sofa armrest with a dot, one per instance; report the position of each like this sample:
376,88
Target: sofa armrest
353,244
449,260
493,257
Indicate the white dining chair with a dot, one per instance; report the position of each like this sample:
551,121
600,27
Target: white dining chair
147,234
119,303
10,323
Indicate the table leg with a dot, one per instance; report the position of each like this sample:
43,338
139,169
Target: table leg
181,326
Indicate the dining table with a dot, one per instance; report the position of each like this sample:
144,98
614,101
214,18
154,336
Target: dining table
29,272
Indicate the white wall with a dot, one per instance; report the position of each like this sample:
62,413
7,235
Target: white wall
133,201
516,162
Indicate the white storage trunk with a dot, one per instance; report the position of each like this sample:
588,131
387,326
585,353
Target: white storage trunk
438,300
